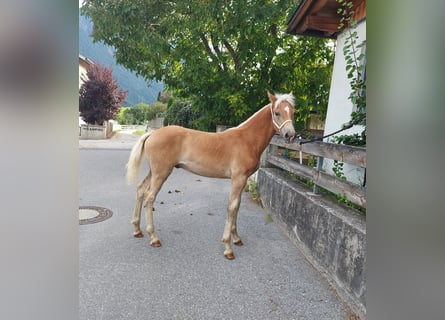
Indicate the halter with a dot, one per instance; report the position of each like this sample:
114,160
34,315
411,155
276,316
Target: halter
275,123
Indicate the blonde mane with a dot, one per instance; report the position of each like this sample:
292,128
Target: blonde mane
289,97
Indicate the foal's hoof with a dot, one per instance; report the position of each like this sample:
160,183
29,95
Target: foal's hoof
138,234
156,244
229,256
238,243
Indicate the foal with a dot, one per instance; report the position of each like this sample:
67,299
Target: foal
234,154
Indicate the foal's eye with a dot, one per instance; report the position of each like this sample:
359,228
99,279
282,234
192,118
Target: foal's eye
277,114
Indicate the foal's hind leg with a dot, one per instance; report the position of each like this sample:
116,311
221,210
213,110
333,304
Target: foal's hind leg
155,185
140,191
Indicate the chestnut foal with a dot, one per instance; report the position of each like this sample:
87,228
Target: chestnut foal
233,154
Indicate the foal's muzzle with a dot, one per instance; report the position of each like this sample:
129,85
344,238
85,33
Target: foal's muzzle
288,134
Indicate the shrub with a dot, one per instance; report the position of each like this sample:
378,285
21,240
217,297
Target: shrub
100,97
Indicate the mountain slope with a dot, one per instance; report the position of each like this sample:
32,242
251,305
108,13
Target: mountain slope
139,90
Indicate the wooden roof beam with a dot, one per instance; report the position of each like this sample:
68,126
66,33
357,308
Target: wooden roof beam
301,11
325,24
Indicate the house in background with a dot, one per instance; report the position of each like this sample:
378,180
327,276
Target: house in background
84,62
87,131
319,18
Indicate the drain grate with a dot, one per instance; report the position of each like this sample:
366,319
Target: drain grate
91,214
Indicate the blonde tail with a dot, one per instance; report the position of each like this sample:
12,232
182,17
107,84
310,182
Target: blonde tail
134,162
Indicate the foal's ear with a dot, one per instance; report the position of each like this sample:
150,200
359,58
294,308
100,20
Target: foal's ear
271,97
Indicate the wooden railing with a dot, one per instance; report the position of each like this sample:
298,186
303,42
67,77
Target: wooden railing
352,155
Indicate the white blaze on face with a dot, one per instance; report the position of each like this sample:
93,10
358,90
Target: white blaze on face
286,108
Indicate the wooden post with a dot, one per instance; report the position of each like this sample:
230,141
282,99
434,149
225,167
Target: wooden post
319,166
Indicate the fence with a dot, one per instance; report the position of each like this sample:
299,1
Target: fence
280,156
133,127
331,236
155,123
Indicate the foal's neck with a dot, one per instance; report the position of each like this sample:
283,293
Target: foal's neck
259,129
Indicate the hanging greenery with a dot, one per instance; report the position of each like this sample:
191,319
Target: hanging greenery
355,57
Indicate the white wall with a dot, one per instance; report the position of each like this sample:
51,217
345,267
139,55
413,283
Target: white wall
82,72
339,106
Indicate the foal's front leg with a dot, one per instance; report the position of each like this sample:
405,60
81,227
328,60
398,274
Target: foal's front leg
238,185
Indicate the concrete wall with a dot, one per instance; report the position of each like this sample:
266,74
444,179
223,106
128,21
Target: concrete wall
95,132
332,237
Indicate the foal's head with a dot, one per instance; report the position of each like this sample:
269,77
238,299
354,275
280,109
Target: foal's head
282,110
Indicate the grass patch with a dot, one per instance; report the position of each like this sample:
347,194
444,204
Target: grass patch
139,132
252,188
268,219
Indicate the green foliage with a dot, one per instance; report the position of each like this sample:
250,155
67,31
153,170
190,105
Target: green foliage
338,197
358,140
120,117
311,161
338,169
181,113
220,56
253,190
268,218
140,113
156,109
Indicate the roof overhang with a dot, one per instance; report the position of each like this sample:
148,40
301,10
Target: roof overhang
320,18
85,59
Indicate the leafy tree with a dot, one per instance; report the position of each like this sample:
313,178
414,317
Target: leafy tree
122,117
99,96
221,56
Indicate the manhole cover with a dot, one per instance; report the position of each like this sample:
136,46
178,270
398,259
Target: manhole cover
90,214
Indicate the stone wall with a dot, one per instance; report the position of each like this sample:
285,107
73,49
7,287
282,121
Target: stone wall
332,237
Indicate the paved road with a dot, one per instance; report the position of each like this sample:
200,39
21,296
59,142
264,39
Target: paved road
122,277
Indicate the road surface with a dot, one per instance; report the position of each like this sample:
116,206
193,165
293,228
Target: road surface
122,277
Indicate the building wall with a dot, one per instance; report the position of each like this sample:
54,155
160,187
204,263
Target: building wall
339,106
83,65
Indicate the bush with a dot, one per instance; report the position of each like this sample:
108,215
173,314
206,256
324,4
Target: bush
100,97
181,113
140,113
